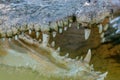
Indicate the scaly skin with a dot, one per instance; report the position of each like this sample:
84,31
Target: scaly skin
18,17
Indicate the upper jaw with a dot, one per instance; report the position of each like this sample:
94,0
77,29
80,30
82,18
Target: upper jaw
43,12
21,16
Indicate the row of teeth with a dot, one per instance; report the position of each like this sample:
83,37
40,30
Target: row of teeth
102,29
58,26
56,53
45,43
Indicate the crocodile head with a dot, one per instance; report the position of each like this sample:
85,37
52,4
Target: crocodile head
27,27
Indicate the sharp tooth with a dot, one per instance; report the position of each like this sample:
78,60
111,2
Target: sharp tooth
60,30
102,76
58,49
65,28
37,34
106,27
16,37
103,40
102,35
77,58
91,67
30,31
45,39
87,33
65,22
54,34
88,56
53,44
67,55
100,28
81,58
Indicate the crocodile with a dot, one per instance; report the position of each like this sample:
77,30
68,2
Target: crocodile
27,26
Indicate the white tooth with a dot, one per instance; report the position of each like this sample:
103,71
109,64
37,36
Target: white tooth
60,30
53,44
37,34
100,28
106,27
67,55
81,58
58,49
88,56
77,57
54,34
103,40
30,31
16,37
91,67
65,28
65,22
102,35
45,39
102,76
87,33
70,25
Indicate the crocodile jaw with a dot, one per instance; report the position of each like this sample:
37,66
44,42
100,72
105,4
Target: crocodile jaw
65,67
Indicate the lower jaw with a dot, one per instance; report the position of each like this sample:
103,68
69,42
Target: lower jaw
22,54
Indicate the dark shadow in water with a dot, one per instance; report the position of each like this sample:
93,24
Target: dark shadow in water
116,57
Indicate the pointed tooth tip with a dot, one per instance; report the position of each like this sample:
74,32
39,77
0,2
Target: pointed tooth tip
102,35
77,58
87,33
60,30
53,44
37,34
106,27
100,27
58,49
65,28
54,34
102,76
16,37
88,56
81,58
67,55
